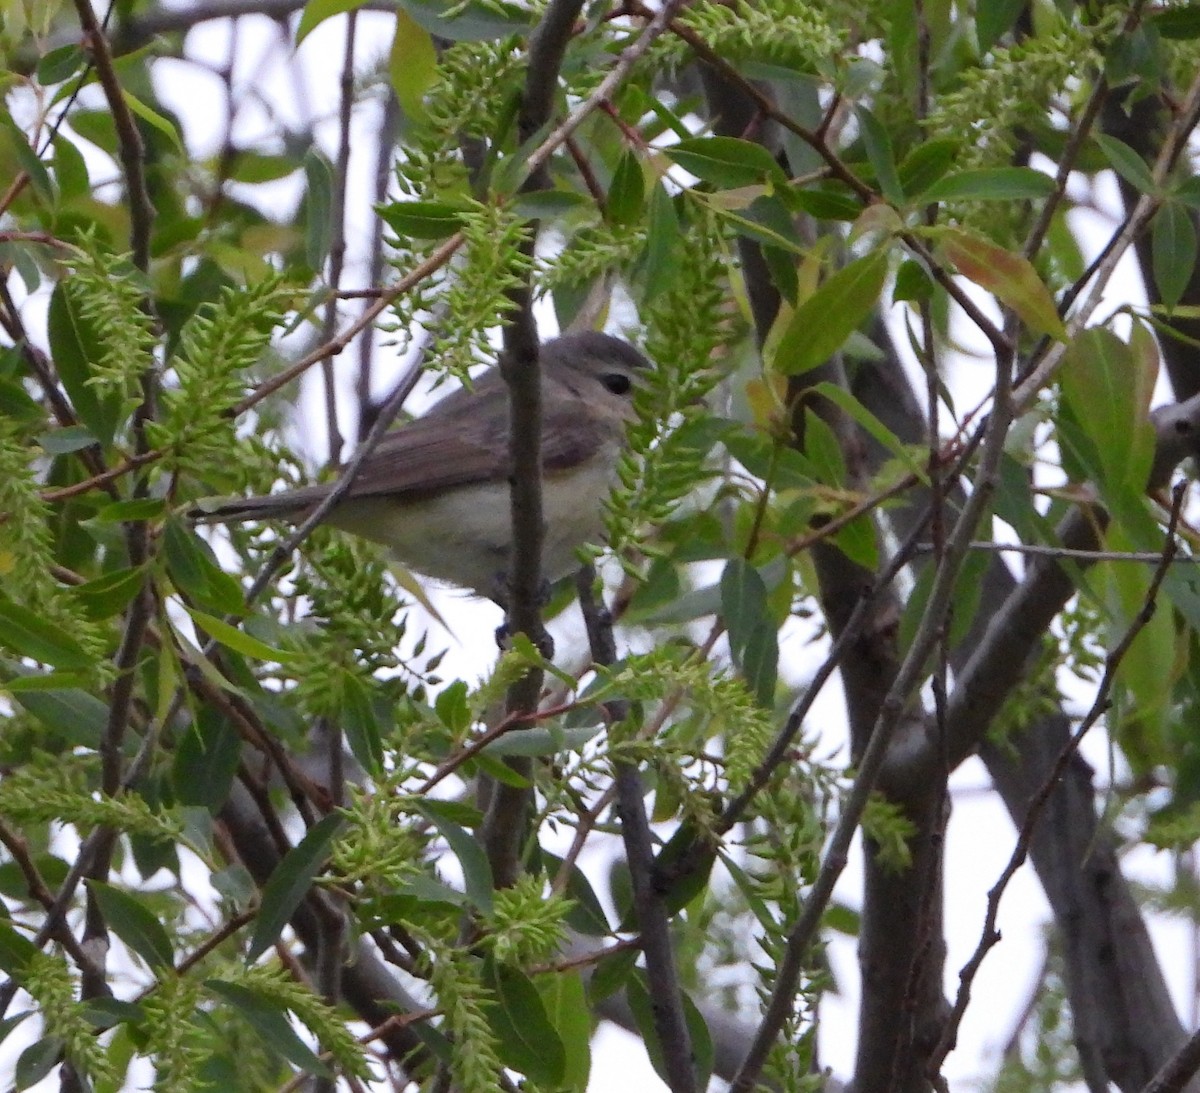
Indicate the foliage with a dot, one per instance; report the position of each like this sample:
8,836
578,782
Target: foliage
265,820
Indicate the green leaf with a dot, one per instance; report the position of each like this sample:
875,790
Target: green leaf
59,64
238,640
726,162
587,916
255,168
820,326
109,595
73,438
452,708
29,634
528,1042
872,426
627,194
477,873
37,1060
317,11
542,741
879,151
421,219
1127,163
412,64
206,760
991,184
16,951
71,336
1179,23
1150,666
318,208
612,973
753,641
290,883
154,119
133,510
360,725
663,241
638,995
269,1020
1173,249
77,716
565,999
472,21
194,570
993,18
926,163
135,924
1108,392
39,177
826,203
70,170
1010,277
912,283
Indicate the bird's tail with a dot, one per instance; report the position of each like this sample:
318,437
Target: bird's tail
276,506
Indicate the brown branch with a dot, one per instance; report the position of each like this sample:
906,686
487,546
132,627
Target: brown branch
649,905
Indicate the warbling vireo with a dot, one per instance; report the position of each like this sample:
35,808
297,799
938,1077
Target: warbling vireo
436,491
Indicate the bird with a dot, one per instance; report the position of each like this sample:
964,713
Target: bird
1176,438
435,492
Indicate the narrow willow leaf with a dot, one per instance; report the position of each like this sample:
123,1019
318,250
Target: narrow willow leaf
477,873
753,641
994,18
527,1041
469,21
153,118
639,997
73,438
290,883
361,725
587,916
421,219
269,1020
412,64
1108,393
29,634
663,241
135,924
238,640
1173,245
726,161
820,326
565,999
1179,23
627,194
37,1060
926,163
318,209
1010,277
879,151
991,184
1127,163
317,11
71,341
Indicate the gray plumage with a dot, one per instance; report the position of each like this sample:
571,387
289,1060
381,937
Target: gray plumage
1176,437
436,490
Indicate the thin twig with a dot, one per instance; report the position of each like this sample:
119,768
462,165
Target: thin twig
990,935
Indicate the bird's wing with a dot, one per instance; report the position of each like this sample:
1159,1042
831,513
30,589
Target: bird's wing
464,441
452,445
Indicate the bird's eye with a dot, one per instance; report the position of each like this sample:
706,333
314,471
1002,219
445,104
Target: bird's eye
1183,426
617,382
